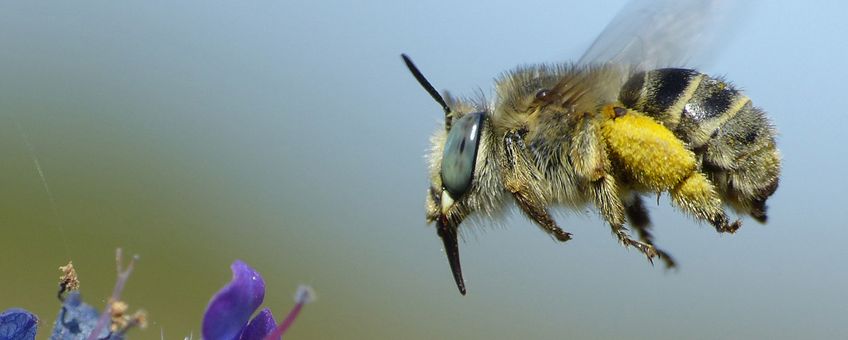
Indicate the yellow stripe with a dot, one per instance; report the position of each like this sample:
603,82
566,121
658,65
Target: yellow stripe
674,112
707,127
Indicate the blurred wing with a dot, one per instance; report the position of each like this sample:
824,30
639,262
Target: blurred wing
649,34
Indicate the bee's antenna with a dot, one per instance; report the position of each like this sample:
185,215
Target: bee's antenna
427,86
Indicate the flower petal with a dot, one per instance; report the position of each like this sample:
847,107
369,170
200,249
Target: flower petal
261,325
230,309
77,320
16,323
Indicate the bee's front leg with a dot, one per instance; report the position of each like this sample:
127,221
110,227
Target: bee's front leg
520,179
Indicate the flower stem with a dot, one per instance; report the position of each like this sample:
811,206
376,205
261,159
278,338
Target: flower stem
123,275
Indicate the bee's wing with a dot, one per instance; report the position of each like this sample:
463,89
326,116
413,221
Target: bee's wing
649,34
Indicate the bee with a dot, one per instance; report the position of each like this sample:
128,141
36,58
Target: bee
625,121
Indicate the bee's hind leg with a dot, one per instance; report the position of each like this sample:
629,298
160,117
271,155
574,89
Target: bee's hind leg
638,217
696,195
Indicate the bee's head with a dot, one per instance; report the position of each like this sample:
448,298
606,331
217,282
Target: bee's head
453,164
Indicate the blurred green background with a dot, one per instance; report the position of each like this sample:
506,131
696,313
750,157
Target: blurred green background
289,135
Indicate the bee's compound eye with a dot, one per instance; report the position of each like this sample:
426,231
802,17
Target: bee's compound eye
460,153
543,95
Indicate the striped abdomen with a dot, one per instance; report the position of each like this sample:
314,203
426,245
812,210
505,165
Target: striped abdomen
733,140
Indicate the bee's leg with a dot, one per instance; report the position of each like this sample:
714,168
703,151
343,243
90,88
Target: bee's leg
517,179
612,210
532,207
638,217
590,161
696,195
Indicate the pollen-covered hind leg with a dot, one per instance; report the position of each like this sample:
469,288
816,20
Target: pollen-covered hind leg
638,217
612,210
696,195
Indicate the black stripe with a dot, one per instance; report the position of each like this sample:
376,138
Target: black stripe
667,87
718,102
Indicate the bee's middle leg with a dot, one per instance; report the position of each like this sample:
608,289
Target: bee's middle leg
612,210
590,160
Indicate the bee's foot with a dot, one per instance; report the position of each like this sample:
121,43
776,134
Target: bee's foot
561,235
647,249
729,228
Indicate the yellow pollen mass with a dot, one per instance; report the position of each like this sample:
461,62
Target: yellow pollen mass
651,153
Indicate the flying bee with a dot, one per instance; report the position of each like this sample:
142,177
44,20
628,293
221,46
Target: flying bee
623,122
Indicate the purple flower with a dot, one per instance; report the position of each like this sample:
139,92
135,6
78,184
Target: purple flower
228,316
16,323
261,325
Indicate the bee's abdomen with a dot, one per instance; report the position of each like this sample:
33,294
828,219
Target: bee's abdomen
687,102
733,140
